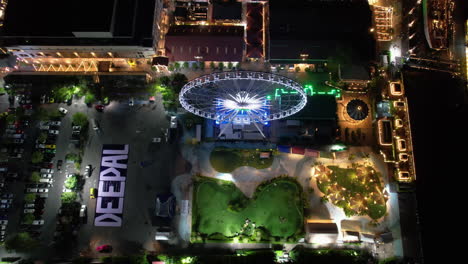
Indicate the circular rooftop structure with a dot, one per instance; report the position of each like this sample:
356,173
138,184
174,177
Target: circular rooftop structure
357,109
242,97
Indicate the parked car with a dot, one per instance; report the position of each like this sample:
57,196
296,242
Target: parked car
46,175
29,210
31,205
31,190
63,110
44,170
7,195
38,222
55,132
18,141
76,128
173,122
40,146
92,193
43,190
55,123
46,180
44,127
131,102
6,201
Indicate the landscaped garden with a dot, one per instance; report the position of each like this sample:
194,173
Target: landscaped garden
221,212
357,190
227,159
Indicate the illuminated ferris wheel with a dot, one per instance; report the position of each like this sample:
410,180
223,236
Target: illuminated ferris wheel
243,97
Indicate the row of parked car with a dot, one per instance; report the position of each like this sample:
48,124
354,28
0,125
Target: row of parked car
11,155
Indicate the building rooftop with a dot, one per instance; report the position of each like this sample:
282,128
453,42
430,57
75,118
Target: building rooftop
32,22
208,43
227,10
318,28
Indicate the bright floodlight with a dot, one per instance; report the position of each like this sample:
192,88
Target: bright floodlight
242,97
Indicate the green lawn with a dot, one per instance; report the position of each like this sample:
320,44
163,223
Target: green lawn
277,207
226,159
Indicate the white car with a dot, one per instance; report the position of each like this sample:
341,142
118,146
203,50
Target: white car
83,210
46,180
31,190
40,145
55,132
43,123
29,211
43,190
38,222
55,123
46,175
44,170
6,201
70,175
44,127
76,128
173,122
66,190
3,222
130,102
2,227
29,205
5,206
63,110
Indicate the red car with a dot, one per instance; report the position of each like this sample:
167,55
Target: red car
99,107
104,248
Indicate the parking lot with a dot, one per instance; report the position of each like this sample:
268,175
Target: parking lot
150,171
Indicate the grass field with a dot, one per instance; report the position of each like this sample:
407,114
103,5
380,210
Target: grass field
357,190
219,207
227,160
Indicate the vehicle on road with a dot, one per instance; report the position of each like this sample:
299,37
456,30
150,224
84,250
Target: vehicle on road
83,210
104,248
63,110
87,171
59,164
92,193
99,107
95,124
173,122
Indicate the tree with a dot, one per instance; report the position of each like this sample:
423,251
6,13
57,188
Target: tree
35,176
42,137
201,65
89,98
79,119
165,81
28,219
178,81
29,197
221,66
212,66
230,65
186,65
195,66
37,157
177,66
71,182
68,197
21,242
